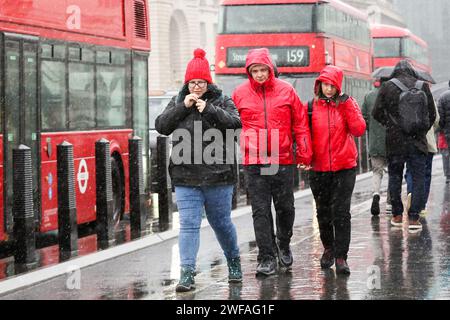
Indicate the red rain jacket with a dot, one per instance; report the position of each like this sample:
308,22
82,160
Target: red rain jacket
272,116
334,126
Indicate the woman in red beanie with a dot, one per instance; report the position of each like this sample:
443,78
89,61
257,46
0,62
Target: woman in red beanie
202,185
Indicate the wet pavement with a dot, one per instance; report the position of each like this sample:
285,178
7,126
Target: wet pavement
386,262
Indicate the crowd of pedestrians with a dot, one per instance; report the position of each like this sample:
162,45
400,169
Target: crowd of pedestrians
279,134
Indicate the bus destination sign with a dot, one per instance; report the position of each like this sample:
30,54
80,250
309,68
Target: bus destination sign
283,56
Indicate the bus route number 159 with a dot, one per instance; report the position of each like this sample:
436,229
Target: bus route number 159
295,56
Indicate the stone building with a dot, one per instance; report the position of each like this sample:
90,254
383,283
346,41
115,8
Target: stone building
379,11
177,28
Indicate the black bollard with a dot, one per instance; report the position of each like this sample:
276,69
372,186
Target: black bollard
67,208
104,201
137,189
23,213
165,188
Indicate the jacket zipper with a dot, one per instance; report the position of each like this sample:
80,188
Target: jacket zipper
329,137
265,121
306,145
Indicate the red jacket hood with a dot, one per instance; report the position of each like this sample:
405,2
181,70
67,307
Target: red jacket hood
260,56
332,75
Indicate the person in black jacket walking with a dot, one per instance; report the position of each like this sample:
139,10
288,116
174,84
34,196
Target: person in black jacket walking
200,169
401,147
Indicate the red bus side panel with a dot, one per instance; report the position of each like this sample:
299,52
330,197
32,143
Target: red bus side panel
84,165
352,59
122,23
103,18
2,213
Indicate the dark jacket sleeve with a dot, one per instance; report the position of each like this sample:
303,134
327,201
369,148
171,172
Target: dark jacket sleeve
431,105
168,121
222,116
379,112
365,110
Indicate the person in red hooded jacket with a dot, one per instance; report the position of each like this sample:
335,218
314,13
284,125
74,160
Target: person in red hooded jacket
272,117
336,119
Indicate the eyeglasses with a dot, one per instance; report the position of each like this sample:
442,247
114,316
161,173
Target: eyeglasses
200,84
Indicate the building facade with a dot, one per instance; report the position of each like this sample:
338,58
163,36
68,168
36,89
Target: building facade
178,27
379,11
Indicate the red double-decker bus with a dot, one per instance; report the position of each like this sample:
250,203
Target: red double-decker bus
73,71
303,36
392,44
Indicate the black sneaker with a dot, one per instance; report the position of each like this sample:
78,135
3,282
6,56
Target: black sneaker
342,267
327,259
285,257
375,209
267,266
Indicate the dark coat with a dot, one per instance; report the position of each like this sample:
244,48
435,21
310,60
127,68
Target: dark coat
220,113
444,112
377,133
397,142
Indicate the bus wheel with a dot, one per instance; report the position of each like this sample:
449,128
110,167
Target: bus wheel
118,189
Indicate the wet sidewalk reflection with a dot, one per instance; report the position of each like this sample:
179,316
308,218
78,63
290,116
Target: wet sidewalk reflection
386,262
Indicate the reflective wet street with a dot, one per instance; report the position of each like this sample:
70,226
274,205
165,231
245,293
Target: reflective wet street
386,262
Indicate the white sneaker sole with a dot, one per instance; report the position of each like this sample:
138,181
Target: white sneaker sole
395,224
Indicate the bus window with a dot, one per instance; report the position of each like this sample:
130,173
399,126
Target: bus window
386,47
110,96
53,95
415,51
140,106
261,18
87,55
140,96
81,96
12,90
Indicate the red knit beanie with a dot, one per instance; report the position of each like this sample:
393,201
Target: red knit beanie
198,67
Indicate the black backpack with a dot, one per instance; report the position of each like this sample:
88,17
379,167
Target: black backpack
413,115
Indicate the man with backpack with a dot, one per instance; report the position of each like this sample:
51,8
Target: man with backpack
405,106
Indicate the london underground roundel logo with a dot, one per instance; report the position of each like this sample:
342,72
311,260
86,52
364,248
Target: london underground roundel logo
82,176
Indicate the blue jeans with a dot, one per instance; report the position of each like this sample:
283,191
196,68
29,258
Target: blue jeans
428,172
216,200
415,160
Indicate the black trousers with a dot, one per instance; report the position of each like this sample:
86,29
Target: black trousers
262,189
333,193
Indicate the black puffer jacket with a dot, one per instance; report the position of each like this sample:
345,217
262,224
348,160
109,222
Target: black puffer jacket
444,112
397,142
220,113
